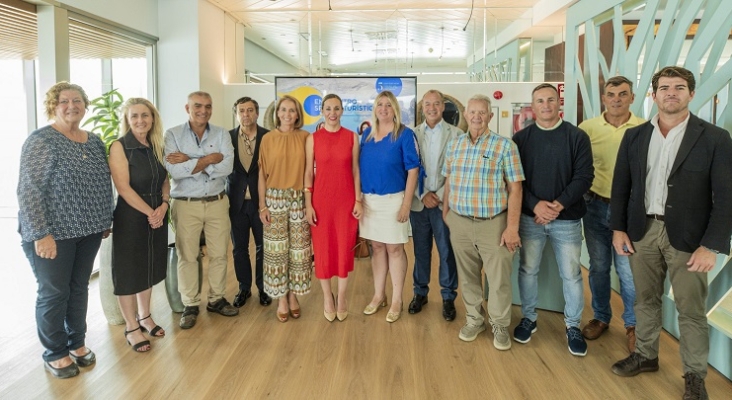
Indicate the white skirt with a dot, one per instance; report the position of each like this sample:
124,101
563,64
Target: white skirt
379,220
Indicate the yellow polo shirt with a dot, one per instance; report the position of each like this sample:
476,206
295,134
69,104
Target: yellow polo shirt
605,140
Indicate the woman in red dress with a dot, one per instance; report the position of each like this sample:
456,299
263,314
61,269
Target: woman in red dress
333,203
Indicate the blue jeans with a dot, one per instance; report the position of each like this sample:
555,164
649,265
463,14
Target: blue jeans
566,240
63,293
426,224
599,239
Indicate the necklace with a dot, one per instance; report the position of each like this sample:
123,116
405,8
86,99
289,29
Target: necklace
82,148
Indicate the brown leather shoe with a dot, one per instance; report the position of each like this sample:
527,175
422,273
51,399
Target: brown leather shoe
594,329
630,334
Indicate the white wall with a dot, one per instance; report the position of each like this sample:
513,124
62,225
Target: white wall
261,61
141,15
178,60
211,59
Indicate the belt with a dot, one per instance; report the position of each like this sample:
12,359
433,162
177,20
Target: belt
655,216
203,199
474,218
598,197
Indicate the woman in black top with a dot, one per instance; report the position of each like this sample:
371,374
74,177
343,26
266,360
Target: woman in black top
140,237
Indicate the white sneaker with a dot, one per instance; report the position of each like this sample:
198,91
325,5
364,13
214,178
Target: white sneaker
501,338
469,332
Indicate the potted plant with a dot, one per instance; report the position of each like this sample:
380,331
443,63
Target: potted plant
105,123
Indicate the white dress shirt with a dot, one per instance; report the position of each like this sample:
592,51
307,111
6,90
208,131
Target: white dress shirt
433,139
661,156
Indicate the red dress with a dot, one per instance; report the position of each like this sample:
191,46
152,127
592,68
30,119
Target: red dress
334,235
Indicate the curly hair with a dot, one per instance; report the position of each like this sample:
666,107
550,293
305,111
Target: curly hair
51,101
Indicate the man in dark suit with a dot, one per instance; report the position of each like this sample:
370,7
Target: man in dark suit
672,211
244,199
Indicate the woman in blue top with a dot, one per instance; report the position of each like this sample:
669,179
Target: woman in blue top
389,166
65,199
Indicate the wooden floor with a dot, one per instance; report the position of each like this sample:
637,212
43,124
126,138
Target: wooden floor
253,356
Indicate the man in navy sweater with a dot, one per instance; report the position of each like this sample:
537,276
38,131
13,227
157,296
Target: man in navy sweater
557,161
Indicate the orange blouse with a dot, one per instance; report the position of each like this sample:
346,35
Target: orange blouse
282,159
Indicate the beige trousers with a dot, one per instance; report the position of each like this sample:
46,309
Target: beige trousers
476,244
189,219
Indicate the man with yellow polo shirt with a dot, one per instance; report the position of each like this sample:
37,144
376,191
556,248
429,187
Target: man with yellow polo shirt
606,132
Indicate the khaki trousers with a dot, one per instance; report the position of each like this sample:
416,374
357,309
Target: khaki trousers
189,219
654,257
476,244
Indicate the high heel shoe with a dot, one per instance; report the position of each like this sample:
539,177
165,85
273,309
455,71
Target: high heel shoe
392,316
341,314
137,346
330,316
295,312
283,316
373,309
154,332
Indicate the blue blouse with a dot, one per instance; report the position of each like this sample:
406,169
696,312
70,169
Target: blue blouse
64,188
384,164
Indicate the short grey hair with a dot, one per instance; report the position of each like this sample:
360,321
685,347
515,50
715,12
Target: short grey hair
483,98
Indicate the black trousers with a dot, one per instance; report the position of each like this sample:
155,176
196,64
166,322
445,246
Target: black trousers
242,224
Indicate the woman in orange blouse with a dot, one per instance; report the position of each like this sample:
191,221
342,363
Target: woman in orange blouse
287,254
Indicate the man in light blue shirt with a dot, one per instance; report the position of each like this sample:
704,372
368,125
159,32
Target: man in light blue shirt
199,157
433,135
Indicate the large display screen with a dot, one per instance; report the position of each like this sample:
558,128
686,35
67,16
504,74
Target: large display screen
357,93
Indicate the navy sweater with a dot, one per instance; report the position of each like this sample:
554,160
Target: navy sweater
558,166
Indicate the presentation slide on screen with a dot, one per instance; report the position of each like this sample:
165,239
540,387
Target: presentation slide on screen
357,93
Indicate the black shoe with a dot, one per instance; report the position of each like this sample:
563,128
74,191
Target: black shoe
448,310
264,299
221,306
68,371
634,365
695,389
86,360
241,298
416,304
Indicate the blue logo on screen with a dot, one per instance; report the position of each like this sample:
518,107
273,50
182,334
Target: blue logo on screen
394,85
312,105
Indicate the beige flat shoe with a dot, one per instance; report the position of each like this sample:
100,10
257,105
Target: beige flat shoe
373,309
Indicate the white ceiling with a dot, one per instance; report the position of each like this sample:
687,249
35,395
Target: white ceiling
373,36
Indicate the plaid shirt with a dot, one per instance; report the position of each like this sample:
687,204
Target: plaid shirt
478,174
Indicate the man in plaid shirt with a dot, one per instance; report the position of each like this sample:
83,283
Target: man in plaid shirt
482,205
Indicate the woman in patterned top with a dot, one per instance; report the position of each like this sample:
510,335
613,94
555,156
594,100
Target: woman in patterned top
65,198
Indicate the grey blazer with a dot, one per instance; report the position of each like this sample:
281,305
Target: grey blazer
452,133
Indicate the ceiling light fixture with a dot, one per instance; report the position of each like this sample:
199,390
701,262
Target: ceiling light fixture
329,9
352,49
472,4
442,43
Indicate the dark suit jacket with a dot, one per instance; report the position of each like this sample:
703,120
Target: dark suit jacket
699,203
240,178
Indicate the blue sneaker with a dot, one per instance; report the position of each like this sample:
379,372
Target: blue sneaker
523,331
575,342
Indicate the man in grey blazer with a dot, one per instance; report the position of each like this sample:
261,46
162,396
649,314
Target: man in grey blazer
672,214
433,135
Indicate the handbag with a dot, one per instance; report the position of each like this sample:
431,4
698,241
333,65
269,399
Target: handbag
362,249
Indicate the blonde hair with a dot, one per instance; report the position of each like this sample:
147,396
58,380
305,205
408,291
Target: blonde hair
51,101
397,116
154,135
298,108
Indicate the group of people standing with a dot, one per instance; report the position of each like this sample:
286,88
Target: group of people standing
653,198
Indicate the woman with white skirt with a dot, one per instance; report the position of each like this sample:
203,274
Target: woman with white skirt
389,165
